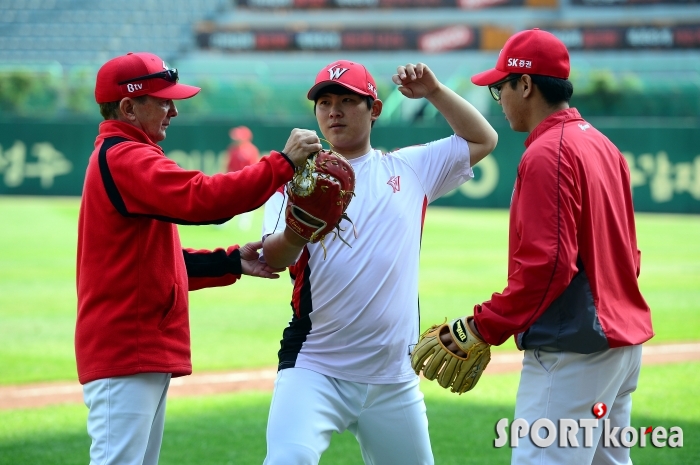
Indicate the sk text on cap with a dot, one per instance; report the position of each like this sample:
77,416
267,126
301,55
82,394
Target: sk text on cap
533,51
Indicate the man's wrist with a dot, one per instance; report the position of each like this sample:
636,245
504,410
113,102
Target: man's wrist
472,326
289,160
293,238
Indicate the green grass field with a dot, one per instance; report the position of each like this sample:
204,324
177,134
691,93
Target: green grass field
230,429
463,262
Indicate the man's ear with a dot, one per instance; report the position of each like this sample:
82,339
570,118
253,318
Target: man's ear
528,86
126,108
376,109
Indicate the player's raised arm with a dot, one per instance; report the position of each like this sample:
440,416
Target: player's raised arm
418,81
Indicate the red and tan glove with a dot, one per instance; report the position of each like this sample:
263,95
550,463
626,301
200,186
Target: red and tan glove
319,195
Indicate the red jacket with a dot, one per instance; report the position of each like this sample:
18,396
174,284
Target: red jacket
573,260
132,273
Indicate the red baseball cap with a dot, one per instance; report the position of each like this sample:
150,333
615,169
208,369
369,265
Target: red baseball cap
528,52
242,133
352,76
136,74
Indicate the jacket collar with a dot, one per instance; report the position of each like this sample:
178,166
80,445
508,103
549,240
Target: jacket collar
552,120
112,128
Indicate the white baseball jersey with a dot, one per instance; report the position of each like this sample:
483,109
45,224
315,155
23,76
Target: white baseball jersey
356,311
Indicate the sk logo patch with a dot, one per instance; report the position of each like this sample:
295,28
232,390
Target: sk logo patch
394,183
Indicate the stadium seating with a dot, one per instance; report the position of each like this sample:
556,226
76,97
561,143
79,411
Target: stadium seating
80,32
66,40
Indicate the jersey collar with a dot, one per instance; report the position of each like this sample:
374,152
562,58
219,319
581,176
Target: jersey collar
552,120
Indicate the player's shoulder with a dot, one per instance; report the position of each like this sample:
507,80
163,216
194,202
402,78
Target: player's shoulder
397,151
130,152
438,147
408,151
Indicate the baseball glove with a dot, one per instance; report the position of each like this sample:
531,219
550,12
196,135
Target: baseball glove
318,195
460,374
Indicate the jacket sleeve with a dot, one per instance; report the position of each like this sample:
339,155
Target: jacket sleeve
141,181
542,246
212,268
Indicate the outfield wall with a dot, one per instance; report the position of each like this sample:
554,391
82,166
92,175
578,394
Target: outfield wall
49,158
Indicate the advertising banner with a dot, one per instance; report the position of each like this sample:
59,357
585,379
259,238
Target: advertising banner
458,37
50,158
598,3
327,4
629,37
446,38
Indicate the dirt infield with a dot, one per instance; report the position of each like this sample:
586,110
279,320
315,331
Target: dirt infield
38,395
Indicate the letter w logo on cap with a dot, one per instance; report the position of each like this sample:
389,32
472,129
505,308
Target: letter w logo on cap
335,73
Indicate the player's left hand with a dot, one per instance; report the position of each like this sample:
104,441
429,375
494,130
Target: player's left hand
251,264
415,81
449,342
459,370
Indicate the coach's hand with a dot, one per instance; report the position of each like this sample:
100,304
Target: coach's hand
251,264
301,144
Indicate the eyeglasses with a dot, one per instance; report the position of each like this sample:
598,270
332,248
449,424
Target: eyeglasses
169,75
495,89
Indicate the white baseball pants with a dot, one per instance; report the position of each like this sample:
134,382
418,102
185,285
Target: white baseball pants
557,385
388,420
126,418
